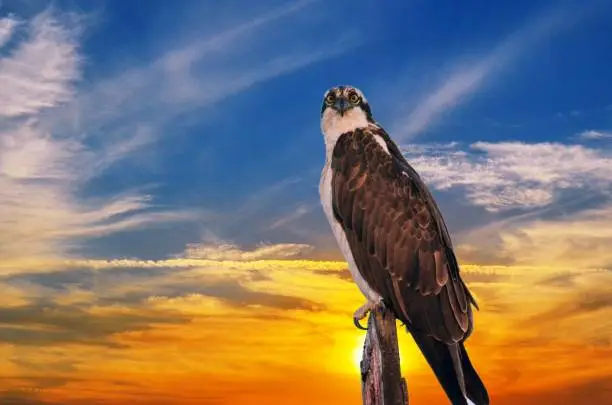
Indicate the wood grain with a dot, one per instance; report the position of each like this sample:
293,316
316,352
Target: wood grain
381,378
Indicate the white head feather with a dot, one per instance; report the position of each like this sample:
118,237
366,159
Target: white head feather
334,124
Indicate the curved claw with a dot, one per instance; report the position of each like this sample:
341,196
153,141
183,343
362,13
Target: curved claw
358,325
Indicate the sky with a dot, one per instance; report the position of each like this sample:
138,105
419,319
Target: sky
161,233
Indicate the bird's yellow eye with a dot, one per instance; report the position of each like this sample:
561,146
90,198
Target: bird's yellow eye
330,99
354,98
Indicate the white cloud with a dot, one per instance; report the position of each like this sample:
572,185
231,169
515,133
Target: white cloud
41,173
180,59
215,256
506,175
191,74
594,134
228,251
39,72
468,78
40,213
132,109
50,120
7,26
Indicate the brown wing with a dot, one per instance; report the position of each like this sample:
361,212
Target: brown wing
398,238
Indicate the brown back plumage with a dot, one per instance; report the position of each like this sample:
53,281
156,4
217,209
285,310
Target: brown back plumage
397,236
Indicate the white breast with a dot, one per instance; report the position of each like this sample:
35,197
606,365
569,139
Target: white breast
325,190
334,125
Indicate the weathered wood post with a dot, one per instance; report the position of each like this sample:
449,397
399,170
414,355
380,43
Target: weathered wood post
381,377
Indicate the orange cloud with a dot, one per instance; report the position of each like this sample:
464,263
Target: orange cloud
242,328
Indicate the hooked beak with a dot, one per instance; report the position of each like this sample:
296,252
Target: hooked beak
341,105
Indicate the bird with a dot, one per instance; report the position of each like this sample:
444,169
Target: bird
396,244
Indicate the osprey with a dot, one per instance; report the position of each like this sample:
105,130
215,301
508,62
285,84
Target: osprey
392,235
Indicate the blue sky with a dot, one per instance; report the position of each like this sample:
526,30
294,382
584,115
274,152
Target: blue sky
167,124
158,157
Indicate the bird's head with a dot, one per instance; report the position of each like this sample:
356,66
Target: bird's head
344,109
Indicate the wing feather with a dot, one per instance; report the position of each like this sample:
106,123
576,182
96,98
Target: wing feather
441,268
397,236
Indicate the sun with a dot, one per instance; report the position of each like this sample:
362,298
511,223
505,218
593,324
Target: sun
405,349
358,352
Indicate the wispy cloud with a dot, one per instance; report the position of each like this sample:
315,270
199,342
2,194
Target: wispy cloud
41,172
227,251
507,175
133,307
58,134
192,74
251,209
193,53
40,72
592,134
471,77
292,216
580,240
7,26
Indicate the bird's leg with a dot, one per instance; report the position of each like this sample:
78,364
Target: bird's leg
362,312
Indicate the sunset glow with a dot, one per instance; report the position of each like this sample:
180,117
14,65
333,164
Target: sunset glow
162,240
358,353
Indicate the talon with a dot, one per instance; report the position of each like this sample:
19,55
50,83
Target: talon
358,325
362,313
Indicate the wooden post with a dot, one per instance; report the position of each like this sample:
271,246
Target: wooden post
381,377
